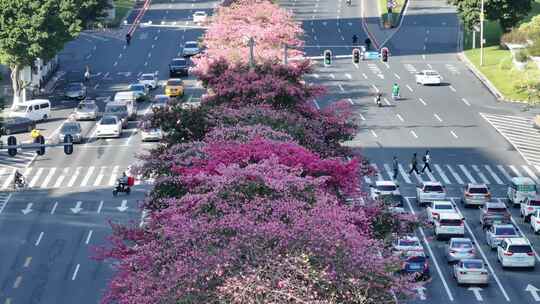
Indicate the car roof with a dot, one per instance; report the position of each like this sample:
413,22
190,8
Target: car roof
504,226
109,116
431,183
473,185
33,101
473,261
148,74
443,202
200,12
522,180
67,123
495,205
385,183
458,239
409,237
517,241
429,71
174,79
450,216
116,103
191,41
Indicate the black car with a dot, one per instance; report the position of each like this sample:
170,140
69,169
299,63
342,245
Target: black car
178,67
16,125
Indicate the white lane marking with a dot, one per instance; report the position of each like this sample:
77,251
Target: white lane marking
387,65
8,180
54,207
99,207
332,76
437,267
88,237
61,178
362,116
438,117
441,173
316,76
39,238
455,175
364,75
112,179
422,101
452,88
348,75
453,134
75,272
477,244
74,177
87,177
36,178
515,170
397,76
466,102
17,282
379,175
404,174
388,170
341,88
375,88
27,262
429,66
482,176
373,133
424,56
492,173
531,173
387,102
144,214
100,176
316,104
120,56
414,134
350,101
503,171
400,118
467,174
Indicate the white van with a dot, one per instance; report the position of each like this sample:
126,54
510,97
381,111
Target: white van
449,224
521,188
125,96
35,109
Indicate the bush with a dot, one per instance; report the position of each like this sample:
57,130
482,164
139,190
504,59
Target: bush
514,36
534,49
521,56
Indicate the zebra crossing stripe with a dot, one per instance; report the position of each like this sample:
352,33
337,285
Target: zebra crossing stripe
418,178
112,180
99,177
74,177
515,170
431,177
8,180
379,175
482,176
88,175
61,178
503,171
404,174
441,173
48,178
495,177
36,177
455,175
531,173
467,173
388,171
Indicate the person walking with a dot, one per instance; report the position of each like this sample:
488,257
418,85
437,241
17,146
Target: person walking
395,167
87,74
427,160
414,164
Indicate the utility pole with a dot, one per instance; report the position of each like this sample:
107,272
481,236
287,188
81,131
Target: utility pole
285,59
482,33
251,44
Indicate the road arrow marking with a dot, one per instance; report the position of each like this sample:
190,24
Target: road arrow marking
534,292
28,209
476,291
421,292
77,208
123,207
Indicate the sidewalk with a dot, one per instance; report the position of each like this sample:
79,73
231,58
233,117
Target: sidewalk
372,23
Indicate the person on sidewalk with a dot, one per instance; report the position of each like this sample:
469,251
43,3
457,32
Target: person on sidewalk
395,168
414,165
427,160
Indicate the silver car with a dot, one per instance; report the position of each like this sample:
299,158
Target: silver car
72,128
86,110
459,249
191,48
75,90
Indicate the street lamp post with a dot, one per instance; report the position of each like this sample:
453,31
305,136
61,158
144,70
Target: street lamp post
251,44
482,33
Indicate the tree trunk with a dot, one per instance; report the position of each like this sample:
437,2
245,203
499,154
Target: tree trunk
17,85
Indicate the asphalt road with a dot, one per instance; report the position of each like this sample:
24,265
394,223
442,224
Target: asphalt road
49,230
471,136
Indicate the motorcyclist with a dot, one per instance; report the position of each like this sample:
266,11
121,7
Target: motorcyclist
378,99
18,178
123,181
395,90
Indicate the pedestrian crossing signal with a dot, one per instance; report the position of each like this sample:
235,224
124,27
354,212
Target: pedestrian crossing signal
68,144
327,57
40,140
12,141
356,55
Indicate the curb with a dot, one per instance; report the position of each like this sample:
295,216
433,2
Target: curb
365,27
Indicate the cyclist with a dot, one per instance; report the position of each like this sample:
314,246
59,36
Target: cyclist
395,91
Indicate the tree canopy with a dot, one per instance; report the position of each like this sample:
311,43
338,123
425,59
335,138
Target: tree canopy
507,12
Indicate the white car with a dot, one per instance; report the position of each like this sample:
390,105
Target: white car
535,221
150,80
428,77
109,126
153,134
200,17
529,206
449,224
471,271
429,192
407,244
516,252
383,187
190,48
435,209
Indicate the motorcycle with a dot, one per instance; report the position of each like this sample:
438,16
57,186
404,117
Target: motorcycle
121,187
19,183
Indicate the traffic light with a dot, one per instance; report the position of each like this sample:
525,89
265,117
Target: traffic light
40,140
68,144
12,141
327,57
356,55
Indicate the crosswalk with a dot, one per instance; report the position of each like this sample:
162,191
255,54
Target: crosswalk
457,174
67,177
19,161
520,133
4,198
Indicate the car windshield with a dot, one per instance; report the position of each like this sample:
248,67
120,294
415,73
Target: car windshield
69,128
147,77
520,248
433,188
443,207
180,62
505,231
74,86
174,82
461,244
409,243
108,121
473,264
386,187
534,202
86,106
115,109
20,109
191,45
478,190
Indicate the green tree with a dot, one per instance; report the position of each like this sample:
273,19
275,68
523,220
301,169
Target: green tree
92,10
507,12
31,29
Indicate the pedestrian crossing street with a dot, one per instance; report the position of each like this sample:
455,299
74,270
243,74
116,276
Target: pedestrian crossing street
457,174
67,177
520,133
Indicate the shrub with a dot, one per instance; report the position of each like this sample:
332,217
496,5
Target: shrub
514,36
521,56
534,49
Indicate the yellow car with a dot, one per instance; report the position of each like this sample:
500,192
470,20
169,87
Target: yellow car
174,87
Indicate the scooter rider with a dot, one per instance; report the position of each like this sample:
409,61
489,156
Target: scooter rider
123,182
18,179
395,91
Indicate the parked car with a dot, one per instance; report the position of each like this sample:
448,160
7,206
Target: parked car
174,87
448,225
72,128
150,80
475,195
496,233
415,263
519,189
109,126
407,243
12,125
535,221
200,17
471,271
75,90
435,209
86,109
516,252
459,249
190,48
494,213
383,187
141,91
161,101
429,191
425,77
529,206
178,67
